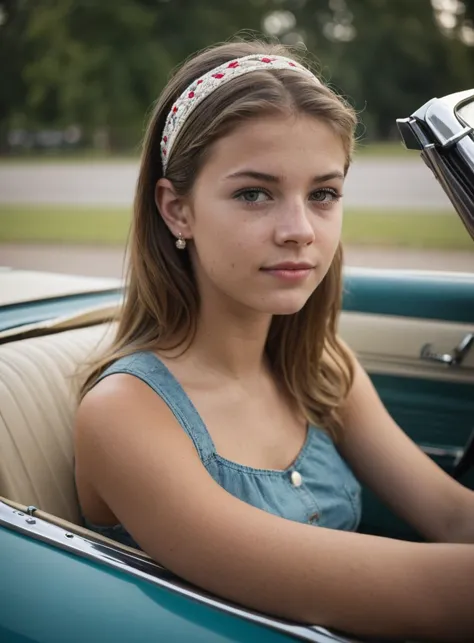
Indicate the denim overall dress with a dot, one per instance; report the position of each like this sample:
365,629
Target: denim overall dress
318,488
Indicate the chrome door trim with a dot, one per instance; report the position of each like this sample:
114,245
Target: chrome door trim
453,358
144,568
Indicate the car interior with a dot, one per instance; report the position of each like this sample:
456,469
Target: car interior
39,383
40,375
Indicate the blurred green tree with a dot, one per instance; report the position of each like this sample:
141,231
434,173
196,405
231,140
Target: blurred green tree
386,56
13,54
101,65
94,64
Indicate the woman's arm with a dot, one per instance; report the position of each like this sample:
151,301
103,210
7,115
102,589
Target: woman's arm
147,471
385,459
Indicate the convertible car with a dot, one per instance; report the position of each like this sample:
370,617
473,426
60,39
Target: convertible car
413,331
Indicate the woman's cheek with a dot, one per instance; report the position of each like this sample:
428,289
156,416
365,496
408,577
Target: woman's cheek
333,230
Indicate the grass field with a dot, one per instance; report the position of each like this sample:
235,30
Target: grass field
109,226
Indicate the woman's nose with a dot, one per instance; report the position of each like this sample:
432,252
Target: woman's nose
294,224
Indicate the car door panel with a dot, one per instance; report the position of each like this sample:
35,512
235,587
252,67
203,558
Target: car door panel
388,317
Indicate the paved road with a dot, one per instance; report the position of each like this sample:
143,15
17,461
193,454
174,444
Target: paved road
375,183
108,262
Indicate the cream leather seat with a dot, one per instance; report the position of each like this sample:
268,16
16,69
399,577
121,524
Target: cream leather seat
39,383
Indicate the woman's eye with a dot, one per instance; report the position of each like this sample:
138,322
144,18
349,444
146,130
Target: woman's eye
326,196
252,196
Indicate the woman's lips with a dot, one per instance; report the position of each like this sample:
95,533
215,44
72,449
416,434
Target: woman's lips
290,271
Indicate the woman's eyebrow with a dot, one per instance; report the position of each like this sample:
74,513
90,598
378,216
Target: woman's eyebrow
271,178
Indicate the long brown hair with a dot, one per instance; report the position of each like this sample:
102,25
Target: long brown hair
161,304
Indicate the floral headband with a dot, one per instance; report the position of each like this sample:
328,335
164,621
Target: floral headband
206,84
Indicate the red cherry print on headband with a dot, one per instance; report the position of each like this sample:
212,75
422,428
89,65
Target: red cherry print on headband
266,60
218,76
233,65
199,81
292,64
191,95
175,109
165,139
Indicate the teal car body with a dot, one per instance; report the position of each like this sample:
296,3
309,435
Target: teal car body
413,332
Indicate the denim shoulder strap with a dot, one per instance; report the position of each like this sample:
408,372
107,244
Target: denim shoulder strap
147,367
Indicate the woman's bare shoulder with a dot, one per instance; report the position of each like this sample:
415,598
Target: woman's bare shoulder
121,406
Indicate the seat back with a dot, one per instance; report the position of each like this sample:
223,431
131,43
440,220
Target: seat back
39,384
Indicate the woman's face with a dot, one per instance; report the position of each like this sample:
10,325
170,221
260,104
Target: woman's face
266,213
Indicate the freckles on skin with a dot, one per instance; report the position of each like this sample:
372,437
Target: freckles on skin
234,240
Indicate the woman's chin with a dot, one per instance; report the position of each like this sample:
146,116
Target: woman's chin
286,304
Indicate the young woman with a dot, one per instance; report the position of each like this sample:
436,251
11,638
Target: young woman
227,428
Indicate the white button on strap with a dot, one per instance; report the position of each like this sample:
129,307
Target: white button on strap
296,479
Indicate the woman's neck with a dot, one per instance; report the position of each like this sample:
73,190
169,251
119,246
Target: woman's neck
229,343
234,350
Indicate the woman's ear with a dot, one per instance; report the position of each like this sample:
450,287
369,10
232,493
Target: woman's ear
173,208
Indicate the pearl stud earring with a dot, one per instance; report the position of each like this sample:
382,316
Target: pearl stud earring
180,242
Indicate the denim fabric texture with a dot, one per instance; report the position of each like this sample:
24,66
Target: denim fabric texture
328,494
